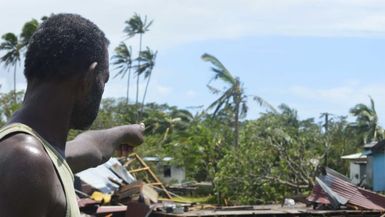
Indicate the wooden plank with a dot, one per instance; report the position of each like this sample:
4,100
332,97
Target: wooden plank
139,170
152,174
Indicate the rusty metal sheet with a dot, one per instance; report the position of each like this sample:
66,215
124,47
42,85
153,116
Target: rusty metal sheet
354,195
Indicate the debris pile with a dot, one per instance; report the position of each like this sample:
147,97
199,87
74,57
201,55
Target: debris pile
335,191
110,190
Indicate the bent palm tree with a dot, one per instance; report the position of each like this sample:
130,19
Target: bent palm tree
27,31
367,122
148,58
137,25
233,98
123,62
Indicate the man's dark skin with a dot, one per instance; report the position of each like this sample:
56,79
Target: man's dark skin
30,187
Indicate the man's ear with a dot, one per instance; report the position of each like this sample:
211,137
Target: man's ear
89,77
92,67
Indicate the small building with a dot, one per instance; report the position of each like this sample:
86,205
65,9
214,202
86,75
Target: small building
357,168
167,172
367,168
376,166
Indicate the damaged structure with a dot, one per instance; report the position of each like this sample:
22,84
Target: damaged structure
366,167
335,191
116,189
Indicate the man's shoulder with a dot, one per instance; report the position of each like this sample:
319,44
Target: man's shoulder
22,156
26,171
22,147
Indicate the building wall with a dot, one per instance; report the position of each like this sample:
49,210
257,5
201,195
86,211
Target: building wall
170,174
369,171
378,172
355,172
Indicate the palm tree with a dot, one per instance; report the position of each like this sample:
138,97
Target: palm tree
165,120
12,47
123,61
137,25
27,31
233,98
148,58
367,122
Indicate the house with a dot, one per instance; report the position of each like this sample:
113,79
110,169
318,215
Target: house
357,167
367,168
375,166
166,171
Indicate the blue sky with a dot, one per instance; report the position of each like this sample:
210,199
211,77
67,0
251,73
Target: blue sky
314,55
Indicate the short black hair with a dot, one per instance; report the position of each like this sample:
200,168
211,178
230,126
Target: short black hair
64,45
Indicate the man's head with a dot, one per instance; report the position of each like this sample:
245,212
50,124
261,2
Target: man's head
69,47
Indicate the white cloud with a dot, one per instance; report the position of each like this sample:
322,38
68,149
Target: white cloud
177,22
345,94
339,99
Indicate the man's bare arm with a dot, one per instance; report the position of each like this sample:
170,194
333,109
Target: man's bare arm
95,147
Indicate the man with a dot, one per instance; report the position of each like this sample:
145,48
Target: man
66,67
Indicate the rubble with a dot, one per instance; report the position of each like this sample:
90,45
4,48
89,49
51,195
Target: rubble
138,191
335,191
112,190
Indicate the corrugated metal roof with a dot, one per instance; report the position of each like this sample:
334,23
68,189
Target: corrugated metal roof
370,144
356,156
379,146
354,195
99,177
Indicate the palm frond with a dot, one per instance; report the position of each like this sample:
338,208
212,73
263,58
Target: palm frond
136,25
122,59
213,89
220,70
222,100
147,60
264,103
27,31
11,46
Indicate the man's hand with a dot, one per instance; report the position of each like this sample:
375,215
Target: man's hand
136,138
135,135
92,148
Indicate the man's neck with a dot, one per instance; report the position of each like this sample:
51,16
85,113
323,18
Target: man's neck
47,110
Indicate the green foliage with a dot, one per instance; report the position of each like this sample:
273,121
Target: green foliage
278,156
202,146
8,105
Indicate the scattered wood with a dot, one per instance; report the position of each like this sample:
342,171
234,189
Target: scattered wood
137,191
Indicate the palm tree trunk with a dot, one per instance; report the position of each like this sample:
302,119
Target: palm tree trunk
137,79
236,126
145,94
14,84
128,85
